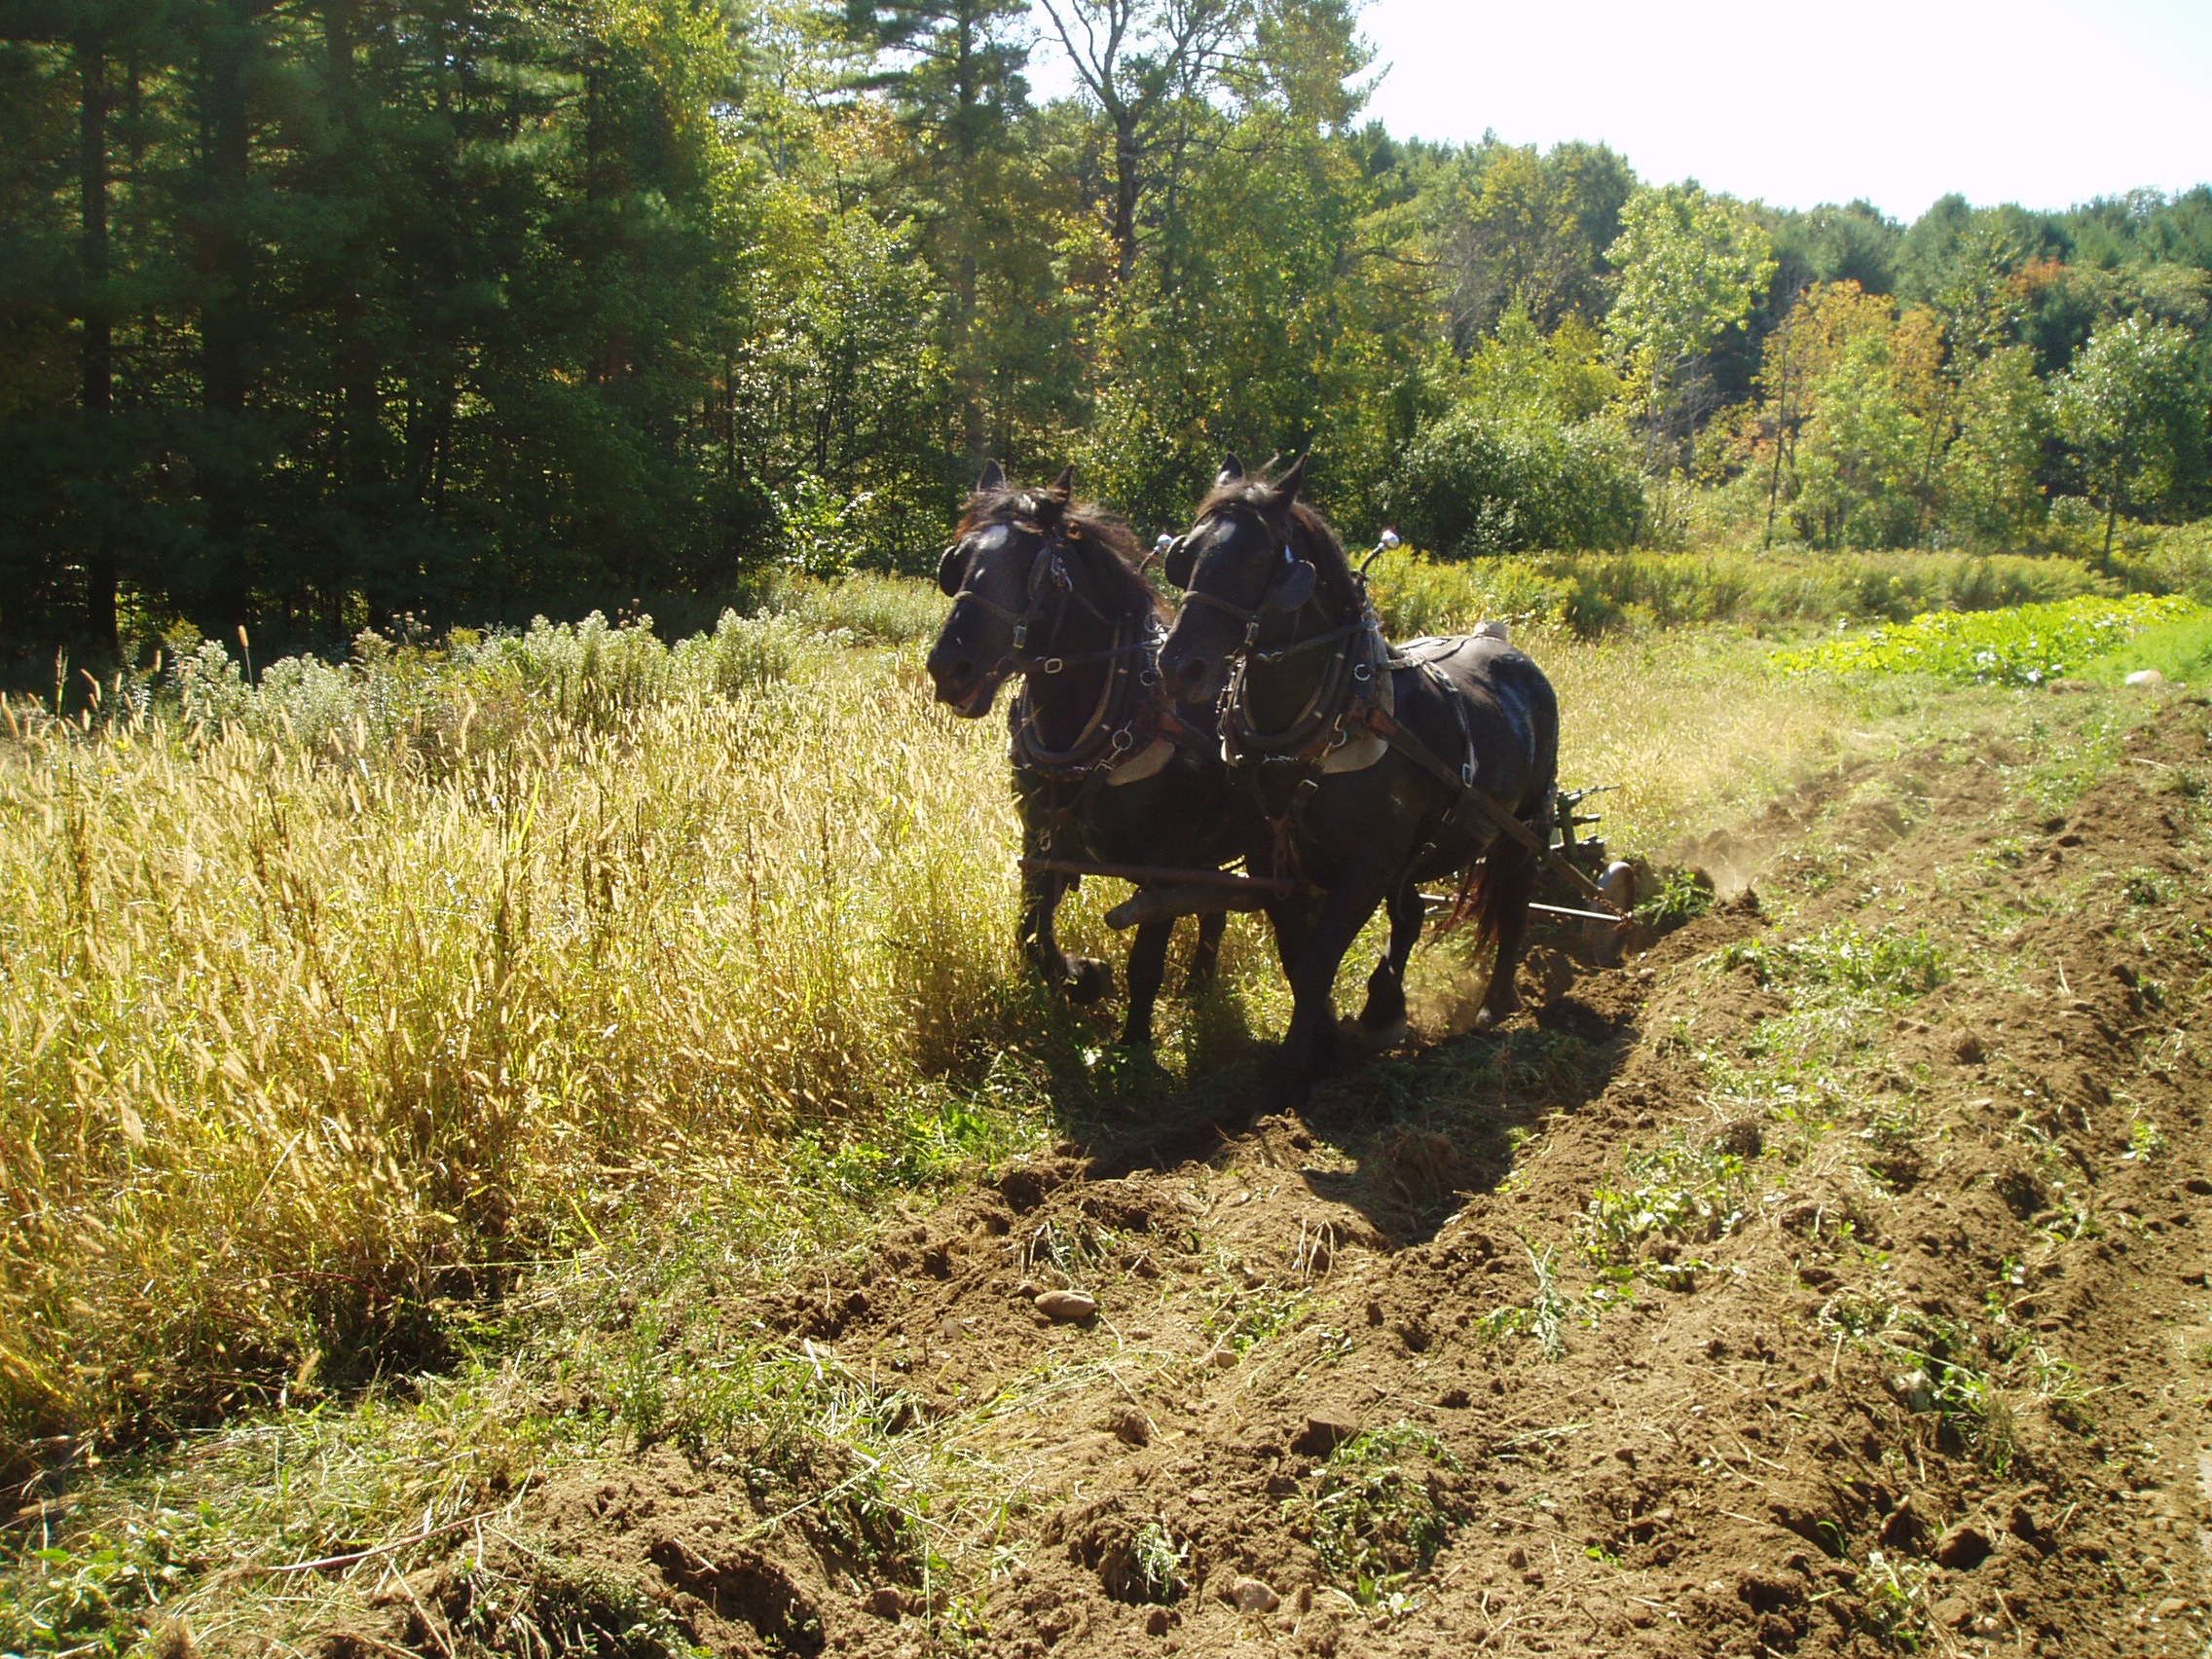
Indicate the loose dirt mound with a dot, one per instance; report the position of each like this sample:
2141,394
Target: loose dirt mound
1830,1280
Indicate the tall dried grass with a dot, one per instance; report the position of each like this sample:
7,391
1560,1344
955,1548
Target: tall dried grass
322,999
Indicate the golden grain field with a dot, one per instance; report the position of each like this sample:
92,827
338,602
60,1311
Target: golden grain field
323,1000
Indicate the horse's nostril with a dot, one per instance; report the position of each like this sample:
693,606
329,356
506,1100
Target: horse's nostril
960,672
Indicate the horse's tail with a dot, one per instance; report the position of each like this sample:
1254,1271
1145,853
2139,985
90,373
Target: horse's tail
1499,886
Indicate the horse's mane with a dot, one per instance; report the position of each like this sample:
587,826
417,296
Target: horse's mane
1316,539
1103,542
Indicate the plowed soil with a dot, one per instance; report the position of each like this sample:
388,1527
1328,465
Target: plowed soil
1828,1279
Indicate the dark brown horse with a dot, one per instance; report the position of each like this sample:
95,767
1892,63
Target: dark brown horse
1373,769
1105,769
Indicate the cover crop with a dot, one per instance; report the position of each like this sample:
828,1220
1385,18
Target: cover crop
2028,644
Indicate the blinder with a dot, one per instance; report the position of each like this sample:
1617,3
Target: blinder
1176,567
1291,589
952,568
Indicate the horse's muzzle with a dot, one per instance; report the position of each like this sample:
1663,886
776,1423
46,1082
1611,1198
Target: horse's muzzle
962,686
1192,676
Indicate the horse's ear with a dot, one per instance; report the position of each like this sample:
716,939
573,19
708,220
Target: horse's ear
1292,483
952,567
1065,484
1231,470
994,478
1176,567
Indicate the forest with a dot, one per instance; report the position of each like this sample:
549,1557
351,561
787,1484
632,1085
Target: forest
330,315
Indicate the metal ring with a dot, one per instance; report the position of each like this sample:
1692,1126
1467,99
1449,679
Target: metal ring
1051,665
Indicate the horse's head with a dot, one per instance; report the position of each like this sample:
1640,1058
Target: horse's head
1018,560
1249,565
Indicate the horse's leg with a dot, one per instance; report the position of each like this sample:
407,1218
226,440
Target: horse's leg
1205,958
1147,967
1382,1021
1508,884
1310,1050
1083,978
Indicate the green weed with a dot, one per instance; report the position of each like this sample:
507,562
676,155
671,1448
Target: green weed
1845,958
1379,1509
1682,896
1542,1318
1679,1196
1158,1563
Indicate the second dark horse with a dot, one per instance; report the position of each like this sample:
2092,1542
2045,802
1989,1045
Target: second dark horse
1104,768
1373,769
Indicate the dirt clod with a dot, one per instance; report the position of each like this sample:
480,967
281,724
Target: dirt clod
1962,1547
1253,1596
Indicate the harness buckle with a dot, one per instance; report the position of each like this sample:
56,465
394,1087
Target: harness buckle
1021,635
1051,665
1467,775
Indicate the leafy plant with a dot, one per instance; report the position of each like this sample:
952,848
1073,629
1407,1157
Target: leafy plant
2029,645
1379,1510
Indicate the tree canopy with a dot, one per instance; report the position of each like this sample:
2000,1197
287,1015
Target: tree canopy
330,314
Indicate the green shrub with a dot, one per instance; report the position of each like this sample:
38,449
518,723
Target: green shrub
1473,485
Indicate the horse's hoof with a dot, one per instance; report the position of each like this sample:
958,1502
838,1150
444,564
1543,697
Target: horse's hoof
1380,1037
1489,1018
1090,981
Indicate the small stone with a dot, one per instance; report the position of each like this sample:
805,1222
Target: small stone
1952,1612
2172,1607
1251,1596
1913,1390
1068,1305
1963,1548
1517,1559
1157,1622
2146,677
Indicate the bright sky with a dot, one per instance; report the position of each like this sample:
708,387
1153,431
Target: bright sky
2043,102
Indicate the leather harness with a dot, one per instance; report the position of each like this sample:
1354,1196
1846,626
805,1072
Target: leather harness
1356,694
1132,715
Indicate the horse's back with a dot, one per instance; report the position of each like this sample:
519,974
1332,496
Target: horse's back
1511,711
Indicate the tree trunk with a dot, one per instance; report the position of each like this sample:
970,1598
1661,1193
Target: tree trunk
97,397
226,313
1781,430
360,450
1128,159
2112,520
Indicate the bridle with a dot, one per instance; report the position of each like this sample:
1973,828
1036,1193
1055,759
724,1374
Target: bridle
1048,590
1114,730
1291,569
